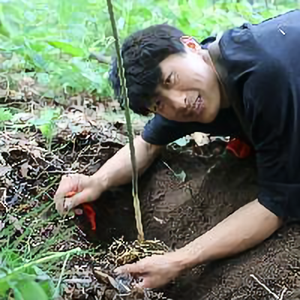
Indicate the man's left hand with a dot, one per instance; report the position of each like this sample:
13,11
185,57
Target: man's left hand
155,271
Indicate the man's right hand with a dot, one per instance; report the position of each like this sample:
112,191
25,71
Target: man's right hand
85,187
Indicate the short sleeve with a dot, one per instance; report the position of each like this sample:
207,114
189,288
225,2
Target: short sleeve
271,101
161,131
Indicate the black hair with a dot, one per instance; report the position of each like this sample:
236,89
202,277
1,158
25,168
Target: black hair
142,53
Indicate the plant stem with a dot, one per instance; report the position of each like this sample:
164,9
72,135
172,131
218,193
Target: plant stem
40,261
124,95
56,294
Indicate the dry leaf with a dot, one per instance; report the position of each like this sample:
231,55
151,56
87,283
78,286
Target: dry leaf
2,225
24,169
4,170
3,93
16,223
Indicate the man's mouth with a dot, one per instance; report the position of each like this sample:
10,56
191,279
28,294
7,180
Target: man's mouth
198,104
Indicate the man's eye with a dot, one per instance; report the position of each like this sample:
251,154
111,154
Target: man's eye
169,79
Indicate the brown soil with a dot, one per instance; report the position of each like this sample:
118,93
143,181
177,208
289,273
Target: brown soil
177,213
172,211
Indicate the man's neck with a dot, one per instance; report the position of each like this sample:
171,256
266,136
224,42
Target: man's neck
223,95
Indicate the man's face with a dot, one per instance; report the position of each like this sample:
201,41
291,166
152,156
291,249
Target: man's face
190,90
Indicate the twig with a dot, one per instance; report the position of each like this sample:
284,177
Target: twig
56,293
100,58
47,188
268,290
136,202
7,87
61,172
75,280
282,293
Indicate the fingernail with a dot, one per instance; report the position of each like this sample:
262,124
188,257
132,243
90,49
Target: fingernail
78,211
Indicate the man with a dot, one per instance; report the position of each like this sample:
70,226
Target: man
247,84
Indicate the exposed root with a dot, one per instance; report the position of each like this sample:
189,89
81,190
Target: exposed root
121,253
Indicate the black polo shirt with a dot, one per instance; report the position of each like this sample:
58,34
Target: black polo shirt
263,65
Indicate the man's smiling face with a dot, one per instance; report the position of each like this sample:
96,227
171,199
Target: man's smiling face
189,88
168,73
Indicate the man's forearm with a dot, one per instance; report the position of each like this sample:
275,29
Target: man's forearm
242,230
118,169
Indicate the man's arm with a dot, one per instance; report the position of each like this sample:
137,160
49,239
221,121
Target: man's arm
118,169
244,229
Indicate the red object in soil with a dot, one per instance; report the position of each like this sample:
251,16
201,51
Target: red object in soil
88,211
70,194
239,148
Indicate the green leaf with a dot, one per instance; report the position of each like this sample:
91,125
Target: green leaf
46,130
45,281
68,48
5,115
50,114
4,287
30,290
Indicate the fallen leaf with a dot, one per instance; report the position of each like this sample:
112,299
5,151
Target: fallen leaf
16,223
36,153
3,93
2,225
4,170
22,117
105,278
24,169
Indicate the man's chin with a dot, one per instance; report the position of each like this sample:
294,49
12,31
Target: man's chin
206,116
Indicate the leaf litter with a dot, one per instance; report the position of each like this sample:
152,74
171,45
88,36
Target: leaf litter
37,147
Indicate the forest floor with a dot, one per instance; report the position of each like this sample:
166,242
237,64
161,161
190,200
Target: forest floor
44,138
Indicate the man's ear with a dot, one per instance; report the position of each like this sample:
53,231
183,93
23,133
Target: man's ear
191,44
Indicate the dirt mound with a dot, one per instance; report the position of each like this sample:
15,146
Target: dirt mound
176,212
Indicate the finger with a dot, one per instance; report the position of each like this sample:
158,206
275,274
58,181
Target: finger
67,184
59,205
79,198
148,283
78,211
136,268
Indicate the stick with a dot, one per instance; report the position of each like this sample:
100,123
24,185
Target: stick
268,290
56,293
136,201
100,58
282,294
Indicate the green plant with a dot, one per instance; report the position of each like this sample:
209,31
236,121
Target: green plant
25,279
56,37
26,271
46,123
5,114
